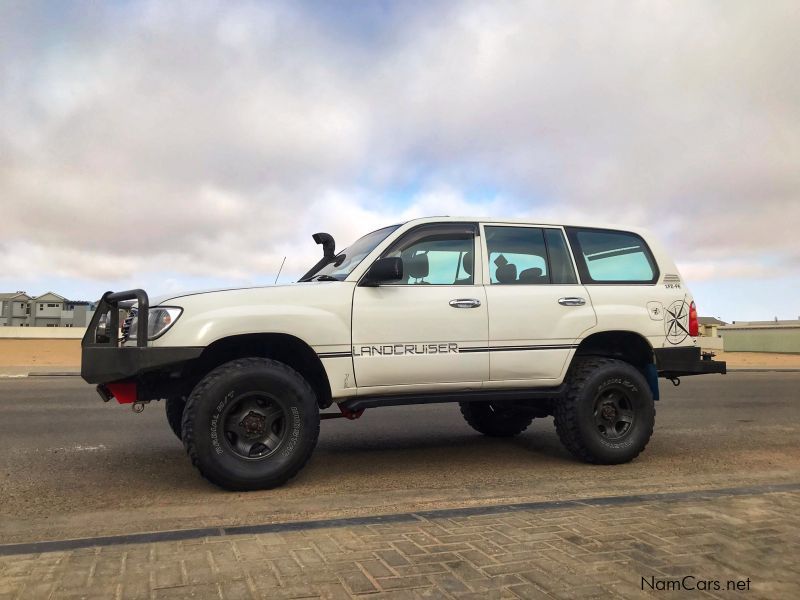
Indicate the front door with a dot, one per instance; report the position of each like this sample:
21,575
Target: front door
420,329
537,308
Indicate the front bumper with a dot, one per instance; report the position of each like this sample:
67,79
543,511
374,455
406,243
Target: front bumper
104,360
680,362
103,365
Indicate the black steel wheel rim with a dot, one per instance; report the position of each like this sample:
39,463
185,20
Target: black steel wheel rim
254,425
614,414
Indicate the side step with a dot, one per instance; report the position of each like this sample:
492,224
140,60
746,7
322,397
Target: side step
361,403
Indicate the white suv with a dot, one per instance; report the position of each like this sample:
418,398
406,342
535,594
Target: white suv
511,320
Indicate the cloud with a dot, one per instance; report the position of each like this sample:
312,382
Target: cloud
210,139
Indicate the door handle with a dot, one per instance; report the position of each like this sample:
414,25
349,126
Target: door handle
572,301
465,303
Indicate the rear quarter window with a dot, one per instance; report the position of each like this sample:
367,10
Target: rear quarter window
607,257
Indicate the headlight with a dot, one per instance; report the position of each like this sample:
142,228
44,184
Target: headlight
159,319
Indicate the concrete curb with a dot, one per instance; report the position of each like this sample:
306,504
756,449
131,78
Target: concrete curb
423,516
54,374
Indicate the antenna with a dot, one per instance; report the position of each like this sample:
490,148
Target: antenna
279,270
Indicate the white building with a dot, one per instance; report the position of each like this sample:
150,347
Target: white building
18,309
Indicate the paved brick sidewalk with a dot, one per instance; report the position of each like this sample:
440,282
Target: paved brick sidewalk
572,551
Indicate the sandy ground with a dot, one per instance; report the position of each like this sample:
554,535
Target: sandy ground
40,353
19,354
742,360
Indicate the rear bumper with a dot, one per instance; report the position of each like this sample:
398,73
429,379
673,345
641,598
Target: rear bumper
104,364
680,362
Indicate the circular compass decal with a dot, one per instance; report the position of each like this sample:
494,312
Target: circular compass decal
676,322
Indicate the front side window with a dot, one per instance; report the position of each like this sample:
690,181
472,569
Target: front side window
606,256
528,256
439,254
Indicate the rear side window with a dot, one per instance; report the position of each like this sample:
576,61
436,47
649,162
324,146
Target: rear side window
605,256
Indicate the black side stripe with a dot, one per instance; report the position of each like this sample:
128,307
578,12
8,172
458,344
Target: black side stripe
475,349
518,348
335,354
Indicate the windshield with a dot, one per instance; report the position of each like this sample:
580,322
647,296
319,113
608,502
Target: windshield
349,258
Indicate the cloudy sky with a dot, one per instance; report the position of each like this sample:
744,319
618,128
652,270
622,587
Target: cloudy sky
179,145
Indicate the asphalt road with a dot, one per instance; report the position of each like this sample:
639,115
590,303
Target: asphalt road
71,466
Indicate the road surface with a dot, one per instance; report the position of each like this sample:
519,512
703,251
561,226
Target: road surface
71,466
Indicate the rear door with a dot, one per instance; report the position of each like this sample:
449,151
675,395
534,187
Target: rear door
420,331
537,309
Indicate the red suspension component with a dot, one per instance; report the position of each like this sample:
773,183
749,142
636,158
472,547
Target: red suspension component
351,414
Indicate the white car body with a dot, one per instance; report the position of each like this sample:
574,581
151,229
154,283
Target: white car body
520,336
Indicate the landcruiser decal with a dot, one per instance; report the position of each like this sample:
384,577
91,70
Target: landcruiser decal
436,348
676,323
403,349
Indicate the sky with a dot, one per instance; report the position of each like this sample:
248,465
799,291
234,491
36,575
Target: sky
186,145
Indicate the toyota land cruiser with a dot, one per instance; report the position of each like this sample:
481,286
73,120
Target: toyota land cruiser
511,320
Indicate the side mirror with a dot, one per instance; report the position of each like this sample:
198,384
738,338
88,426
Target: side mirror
383,270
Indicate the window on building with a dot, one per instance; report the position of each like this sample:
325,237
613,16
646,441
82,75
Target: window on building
52,305
52,324
41,307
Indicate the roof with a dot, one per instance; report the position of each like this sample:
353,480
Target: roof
11,295
532,221
710,321
44,297
790,324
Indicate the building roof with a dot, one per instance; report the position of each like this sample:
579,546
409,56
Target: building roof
787,324
12,295
710,321
45,297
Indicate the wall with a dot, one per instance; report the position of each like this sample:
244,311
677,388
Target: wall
785,339
710,343
43,333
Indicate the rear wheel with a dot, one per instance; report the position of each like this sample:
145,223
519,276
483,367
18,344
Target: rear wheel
495,420
607,415
251,424
174,409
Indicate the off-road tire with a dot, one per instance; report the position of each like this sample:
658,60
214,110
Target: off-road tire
174,409
205,440
492,420
587,380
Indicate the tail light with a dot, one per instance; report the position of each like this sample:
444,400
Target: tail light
694,325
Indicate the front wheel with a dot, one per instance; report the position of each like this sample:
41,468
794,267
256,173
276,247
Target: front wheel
607,415
251,424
